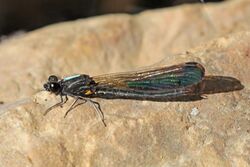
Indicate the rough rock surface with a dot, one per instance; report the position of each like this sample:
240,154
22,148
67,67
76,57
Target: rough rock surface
210,132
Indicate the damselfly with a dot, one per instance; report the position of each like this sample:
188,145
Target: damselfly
156,84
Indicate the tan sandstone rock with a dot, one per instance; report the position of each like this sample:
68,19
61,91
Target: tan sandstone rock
210,132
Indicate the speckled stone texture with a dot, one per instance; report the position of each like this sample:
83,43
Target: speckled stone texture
214,131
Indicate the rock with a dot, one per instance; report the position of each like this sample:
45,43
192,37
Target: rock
138,133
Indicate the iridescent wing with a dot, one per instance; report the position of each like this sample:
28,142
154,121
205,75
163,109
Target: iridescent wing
173,77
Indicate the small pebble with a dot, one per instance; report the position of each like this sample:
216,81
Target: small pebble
194,111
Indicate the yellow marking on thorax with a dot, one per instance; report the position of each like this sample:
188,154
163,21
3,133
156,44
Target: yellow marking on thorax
88,92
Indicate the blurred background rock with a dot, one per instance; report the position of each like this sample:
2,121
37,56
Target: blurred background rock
26,15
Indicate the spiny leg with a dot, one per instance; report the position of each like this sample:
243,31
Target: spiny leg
98,109
72,106
56,105
84,101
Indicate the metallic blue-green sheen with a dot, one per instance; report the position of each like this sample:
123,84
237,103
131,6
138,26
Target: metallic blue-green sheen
71,77
188,76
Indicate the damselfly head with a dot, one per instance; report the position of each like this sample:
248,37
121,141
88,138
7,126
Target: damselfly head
53,78
52,85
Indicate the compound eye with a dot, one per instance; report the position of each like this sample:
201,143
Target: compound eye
53,78
54,87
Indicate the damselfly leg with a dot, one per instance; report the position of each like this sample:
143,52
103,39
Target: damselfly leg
74,105
95,104
98,110
56,105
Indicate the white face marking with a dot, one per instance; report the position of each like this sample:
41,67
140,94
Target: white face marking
71,77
